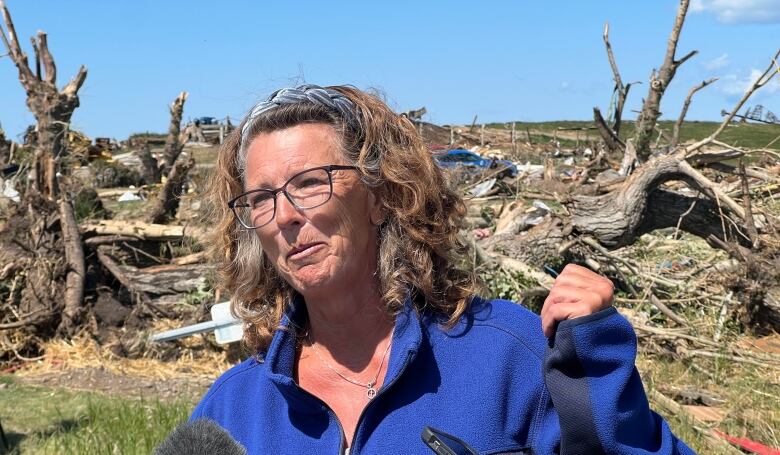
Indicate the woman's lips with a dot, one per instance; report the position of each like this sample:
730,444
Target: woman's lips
304,251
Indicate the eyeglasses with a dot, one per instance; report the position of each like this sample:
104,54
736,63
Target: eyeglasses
305,190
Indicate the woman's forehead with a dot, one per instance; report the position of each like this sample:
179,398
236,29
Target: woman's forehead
275,156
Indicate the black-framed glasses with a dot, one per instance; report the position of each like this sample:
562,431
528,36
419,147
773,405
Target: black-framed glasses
305,190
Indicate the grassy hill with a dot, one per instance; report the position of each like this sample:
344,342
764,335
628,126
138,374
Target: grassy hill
748,135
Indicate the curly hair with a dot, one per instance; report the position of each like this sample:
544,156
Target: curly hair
419,248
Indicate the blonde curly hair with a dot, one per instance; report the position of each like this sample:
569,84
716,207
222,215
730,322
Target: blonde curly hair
419,249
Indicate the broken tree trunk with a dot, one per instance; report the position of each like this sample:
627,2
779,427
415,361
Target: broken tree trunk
52,108
611,139
74,281
659,82
616,219
5,148
168,199
173,144
620,88
150,170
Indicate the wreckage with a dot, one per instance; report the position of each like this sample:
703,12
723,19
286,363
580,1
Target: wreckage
64,273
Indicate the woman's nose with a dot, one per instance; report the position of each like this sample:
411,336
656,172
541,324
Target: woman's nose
287,214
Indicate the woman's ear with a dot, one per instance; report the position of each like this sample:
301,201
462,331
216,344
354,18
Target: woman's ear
375,212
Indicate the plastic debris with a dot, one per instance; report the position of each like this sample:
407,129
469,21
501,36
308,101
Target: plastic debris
128,196
482,188
541,205
10,192
481,233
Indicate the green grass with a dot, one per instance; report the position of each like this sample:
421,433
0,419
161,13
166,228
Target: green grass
748,135
751,399
129,210
43,420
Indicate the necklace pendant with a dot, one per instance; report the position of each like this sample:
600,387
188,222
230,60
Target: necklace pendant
371,392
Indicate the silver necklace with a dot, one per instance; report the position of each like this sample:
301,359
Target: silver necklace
370,386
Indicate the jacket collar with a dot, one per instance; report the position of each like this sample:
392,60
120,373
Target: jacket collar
279,361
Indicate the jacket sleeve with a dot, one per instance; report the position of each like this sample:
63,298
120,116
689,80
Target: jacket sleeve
597,393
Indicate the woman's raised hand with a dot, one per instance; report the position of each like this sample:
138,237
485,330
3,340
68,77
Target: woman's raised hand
576,292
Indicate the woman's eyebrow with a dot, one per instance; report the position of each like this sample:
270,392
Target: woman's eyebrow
261,184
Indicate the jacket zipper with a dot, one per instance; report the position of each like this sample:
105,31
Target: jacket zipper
363,412
327,408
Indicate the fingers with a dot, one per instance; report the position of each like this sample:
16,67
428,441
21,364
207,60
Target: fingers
576,292
596,283
567,302
557,313
574,270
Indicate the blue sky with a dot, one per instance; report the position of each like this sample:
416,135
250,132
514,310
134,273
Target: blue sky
500,60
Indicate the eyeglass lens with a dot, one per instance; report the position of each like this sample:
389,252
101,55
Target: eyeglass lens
306,190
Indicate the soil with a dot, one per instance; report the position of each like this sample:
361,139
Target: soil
104,381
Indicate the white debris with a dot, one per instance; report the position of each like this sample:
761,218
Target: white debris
482,188
128,196
569,161
541,205
530,169
10,192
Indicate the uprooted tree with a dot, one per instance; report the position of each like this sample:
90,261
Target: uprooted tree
53,223
54,275
603,218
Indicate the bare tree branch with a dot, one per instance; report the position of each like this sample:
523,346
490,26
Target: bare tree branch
72,88
47,59
676,132
14,49
610,136
37,58
711,188
770,72
750,221
622,90
659,82
687,56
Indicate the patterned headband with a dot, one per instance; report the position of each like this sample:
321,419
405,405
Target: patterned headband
332,99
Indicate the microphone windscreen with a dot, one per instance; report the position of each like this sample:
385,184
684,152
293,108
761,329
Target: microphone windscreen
200,437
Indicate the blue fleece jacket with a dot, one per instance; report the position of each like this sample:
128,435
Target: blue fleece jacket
493,380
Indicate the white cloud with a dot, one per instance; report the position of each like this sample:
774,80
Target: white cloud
735,85
739,11
717,63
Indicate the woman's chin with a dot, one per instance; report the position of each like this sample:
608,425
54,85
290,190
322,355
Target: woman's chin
310,280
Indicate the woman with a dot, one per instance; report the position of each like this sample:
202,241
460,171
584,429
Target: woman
338,241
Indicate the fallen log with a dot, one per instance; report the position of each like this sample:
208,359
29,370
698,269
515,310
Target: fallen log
141,231
167,279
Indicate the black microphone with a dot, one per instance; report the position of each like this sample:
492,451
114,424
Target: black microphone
201,437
